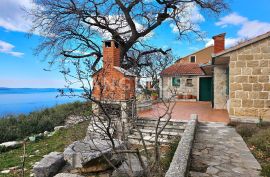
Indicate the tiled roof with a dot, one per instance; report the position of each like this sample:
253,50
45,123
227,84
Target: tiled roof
179,69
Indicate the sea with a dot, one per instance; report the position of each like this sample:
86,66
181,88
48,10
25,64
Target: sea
14,101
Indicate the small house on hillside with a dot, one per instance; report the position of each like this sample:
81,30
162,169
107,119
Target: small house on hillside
186,79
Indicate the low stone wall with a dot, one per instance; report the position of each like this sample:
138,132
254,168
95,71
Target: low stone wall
179,166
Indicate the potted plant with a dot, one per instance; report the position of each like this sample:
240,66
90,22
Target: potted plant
180,96
189,95
154,95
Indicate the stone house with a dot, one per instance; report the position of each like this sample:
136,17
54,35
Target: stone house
242,79
186,77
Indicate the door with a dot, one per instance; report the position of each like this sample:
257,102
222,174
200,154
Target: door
205,89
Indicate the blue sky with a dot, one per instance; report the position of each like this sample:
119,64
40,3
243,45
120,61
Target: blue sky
20,68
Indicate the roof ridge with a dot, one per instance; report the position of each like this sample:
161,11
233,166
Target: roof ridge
243,44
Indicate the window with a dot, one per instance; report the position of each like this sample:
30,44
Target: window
176,81
189,83
192,59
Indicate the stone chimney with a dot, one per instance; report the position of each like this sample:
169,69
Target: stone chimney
111,54
219,43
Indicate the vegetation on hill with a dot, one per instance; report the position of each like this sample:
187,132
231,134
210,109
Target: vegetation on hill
36,150
257,138
18,127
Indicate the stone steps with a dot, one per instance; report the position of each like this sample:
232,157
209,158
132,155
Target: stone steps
167,128
164,134
162,121
147,127
149,140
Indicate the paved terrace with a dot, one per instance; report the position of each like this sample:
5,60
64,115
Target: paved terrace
183,110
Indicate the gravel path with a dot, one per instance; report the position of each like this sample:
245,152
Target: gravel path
220,151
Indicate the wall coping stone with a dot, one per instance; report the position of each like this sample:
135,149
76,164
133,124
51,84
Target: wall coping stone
179,166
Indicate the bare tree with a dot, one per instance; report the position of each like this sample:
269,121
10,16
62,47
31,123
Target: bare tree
155,63
73,31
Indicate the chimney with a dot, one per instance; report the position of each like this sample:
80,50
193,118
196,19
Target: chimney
219,43
111,54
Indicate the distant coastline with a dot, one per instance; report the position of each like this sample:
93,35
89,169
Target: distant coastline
7,90
14,101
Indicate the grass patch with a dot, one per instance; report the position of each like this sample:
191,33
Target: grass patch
257,138
18,127
36,150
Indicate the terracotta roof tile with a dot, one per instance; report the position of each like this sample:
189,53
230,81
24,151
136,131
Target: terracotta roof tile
179,69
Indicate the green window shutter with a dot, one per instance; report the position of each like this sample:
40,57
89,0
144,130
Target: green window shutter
176,81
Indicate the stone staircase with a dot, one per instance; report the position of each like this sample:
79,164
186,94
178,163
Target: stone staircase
173,130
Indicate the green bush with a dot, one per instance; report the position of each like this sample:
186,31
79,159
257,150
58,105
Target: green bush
18,127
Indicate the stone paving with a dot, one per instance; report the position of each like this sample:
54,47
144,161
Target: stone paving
219,150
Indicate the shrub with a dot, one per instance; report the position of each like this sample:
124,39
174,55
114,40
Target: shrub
18,127
265,170
247,130
169,155
261,141
154,94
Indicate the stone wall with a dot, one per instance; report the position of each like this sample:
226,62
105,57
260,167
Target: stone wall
179,166
249,81
168,89
220,96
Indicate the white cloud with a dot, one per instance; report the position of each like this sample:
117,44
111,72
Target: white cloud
196,16
13,16
231,19
248,28
188,16
8,49
229,42
253,28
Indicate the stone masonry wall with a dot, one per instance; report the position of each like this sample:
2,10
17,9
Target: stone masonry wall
249,81
220,96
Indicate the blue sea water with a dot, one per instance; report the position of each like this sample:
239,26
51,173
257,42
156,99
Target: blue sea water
25,100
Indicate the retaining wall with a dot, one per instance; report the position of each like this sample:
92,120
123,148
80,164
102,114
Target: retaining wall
179,166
